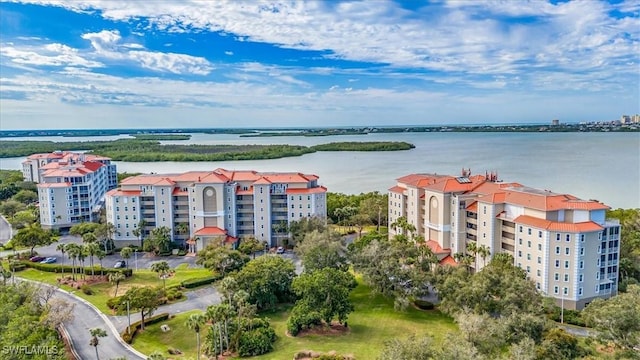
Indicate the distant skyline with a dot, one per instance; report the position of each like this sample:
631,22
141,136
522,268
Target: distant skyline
226,64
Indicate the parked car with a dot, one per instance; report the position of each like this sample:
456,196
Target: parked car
49,260
120,264
36,258
280,250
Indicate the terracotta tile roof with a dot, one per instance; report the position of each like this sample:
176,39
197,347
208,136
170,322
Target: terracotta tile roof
418,180
242,175
118,192
549,201
164,182
54,185
436,248
473,207
179,192
92,165
146,179
588,226
245,192
230,240
262,181
314,190
397,189
448,260
210,231
286,177
190,176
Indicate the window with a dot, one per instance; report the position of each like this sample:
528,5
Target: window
558,250
528,256
520,228
565,291
538,285
529,243
484,209
581,251
581,264
519,253
568,237
539,260
581,237
566,277
557,263
556,276
520,241
540,234
555,289
540,247
126,208
566,264
528,269
597,288
580,291
580,277
557,237
566,251
529,231
538,272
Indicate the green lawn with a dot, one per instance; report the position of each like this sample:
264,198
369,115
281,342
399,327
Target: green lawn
104,291
180,337
373,321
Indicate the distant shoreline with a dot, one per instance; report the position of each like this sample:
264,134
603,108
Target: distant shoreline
325,131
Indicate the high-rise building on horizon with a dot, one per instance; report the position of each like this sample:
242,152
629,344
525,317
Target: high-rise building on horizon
71,186
565,244
200,207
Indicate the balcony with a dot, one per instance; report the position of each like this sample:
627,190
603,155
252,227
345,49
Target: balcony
433,226
471,237
472,215
508,235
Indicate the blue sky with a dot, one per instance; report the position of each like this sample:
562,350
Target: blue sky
137,64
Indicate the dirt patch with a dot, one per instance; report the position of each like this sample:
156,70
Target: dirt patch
89,280
310,355
333,329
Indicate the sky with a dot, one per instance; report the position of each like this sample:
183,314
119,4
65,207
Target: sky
192,64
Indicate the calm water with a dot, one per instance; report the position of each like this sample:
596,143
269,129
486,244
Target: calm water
602,166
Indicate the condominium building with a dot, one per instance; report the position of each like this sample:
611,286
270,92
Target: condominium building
214,206
71,186
565,244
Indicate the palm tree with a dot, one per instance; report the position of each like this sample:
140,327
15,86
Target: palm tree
63,249
141,225
402,226
161,238
72,253
125,254
95,334
82,255
116,278
472,248
181,229
162,268
92,250
484,253
100,254
194,322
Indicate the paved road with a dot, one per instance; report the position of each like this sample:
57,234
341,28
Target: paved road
87,317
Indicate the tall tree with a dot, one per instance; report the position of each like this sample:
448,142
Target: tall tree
221,259
125,254
267,280
195,322
63,249
116,278
33,236
162,268
617,319
321,250
144,299
95,334
250,245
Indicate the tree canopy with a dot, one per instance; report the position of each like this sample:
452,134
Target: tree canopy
267,280
221,259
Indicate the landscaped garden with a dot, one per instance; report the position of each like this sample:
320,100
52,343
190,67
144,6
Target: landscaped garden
373,321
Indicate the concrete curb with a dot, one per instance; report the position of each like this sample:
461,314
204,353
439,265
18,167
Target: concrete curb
72,347
104,317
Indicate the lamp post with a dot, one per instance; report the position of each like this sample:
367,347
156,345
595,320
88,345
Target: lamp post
128,317
135,257
562,308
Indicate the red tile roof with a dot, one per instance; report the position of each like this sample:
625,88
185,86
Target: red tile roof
262,181
118,192
210,231
179,192
54,185
436,248
314,190
473,207
583,227
448,260
397,189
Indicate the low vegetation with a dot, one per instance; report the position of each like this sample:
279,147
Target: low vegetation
144,149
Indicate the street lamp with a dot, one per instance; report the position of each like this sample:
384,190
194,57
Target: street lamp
135,257
562,307
128,317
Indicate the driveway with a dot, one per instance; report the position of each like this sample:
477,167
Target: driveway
5,230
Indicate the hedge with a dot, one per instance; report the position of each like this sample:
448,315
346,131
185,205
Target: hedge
128,336
67,269
192,283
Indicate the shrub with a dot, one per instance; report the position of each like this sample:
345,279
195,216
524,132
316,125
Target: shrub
67,269
192,283
130,333
86,289
173,294
301,319
256,342
114,302
423,304
17,266
182,253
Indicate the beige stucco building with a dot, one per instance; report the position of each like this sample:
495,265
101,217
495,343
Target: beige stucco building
214,206
71,186
565,244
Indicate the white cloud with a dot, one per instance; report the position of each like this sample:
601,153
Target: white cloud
107,44
230,53
53,54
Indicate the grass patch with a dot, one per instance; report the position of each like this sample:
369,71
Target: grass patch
104,291
373,321
180,337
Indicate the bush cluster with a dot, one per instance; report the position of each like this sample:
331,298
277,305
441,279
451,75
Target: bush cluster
86,289
173,294
301,319
331,355
257,341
